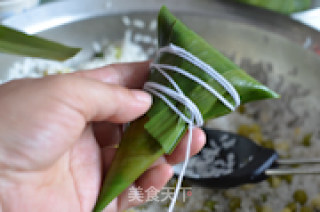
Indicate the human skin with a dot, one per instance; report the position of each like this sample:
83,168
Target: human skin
58,136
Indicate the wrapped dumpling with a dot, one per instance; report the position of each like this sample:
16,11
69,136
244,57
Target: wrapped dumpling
160,130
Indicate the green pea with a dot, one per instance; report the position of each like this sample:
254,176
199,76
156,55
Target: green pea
258,208
274,182
210,204
234,203
315,202
268,144
266,208
263,208
287,178
264,197
286,209
306,209
292,206
300,196
306,141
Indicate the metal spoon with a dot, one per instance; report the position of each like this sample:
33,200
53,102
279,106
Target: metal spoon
230,160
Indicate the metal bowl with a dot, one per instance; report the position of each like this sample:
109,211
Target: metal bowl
275,49
232,28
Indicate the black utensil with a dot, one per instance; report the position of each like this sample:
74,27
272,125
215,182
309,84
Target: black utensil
230,160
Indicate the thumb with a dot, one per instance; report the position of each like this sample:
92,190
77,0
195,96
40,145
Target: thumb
42,118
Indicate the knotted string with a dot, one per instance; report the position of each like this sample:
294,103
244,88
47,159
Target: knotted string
195,117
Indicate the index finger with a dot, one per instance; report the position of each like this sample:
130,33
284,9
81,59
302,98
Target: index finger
130,75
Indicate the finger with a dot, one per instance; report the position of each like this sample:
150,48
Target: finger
97,101
150,180
131,75
107,134
151,177
198,141
159,161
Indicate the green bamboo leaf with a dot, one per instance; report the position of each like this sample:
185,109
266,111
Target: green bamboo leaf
164,125
136,153
281,6
16,42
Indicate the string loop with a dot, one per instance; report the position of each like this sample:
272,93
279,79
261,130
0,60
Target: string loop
195,117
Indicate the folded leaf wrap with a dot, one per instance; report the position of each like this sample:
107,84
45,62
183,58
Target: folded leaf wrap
158,132
164,124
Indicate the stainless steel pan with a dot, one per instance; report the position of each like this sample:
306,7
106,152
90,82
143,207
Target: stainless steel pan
275,49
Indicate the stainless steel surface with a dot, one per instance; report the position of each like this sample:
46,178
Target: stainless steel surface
233,28
295,171
281,172
57,13
299,161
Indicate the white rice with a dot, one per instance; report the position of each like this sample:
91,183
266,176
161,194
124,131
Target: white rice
125,51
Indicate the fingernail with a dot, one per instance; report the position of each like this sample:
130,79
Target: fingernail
142,96
170,171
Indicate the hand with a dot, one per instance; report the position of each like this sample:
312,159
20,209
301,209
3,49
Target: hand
57,136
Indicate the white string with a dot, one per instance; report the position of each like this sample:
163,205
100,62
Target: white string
177,94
